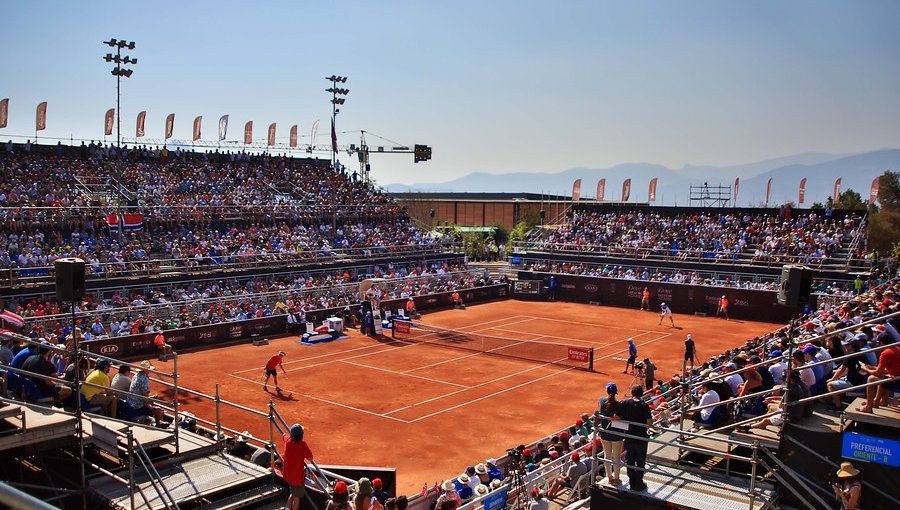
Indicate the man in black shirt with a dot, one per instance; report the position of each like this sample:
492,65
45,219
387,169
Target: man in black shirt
637,412
42,367
690,352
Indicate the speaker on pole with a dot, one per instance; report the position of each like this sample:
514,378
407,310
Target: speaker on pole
69,279
796,282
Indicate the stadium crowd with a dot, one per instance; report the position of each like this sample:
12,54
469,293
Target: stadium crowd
812,238
712,394
195,209
220,301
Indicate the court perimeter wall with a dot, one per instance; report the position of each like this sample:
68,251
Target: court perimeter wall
745,304
211,335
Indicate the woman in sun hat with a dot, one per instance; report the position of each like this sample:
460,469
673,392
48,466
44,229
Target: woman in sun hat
849,488
449,494
364,499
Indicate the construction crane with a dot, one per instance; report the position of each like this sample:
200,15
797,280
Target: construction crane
420,152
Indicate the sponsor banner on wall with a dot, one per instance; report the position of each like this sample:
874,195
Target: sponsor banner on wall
135,346
744,303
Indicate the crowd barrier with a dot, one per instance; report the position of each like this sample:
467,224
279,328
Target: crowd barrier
745,304
136,346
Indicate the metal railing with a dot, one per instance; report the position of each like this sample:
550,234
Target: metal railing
206,265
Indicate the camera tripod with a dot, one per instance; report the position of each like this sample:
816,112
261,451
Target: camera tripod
517,486
638,374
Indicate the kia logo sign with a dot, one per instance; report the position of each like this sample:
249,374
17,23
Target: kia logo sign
108,349
590,288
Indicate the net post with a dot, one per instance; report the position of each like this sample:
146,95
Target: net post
591,360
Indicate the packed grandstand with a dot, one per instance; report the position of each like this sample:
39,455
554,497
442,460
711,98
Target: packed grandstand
174,241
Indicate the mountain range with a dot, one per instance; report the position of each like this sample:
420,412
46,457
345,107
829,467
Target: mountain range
857,171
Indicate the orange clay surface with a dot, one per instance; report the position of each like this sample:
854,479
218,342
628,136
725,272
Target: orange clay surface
430,411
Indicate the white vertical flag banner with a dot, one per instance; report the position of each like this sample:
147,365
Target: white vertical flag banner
223,127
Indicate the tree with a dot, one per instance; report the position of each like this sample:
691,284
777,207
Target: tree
850,200
889,190
884,225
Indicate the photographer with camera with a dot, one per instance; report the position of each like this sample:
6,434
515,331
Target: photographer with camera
848,490
649,374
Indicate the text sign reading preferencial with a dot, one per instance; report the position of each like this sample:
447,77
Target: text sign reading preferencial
876,450
496,501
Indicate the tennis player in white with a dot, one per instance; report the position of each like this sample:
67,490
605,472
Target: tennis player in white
665,311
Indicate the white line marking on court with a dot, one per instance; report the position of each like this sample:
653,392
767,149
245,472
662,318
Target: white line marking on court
345,406
403,373
478,386
491,395
596,325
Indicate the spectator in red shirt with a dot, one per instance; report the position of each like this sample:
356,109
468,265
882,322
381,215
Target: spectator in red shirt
296,451
888,367
271,369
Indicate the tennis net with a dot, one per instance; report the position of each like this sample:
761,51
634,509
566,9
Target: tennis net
543,352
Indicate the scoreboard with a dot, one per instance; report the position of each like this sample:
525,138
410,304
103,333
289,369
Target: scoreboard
527,287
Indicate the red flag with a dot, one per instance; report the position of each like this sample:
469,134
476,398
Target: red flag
626,190
139,132
272,134
12,320
651,194
576,190
601,189
40,121
132,221
837,192
333,137
768,190
197,122
170,125
293,136
737,187
108,121
4,112
802,191
873,192
248,132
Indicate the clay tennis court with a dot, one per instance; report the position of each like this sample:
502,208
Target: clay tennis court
431,410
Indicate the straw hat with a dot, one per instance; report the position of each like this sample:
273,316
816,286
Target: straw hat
481,489
449,486
847,470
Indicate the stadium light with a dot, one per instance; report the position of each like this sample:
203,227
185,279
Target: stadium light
335,102
118,71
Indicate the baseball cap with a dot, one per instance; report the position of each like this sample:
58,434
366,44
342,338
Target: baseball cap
775,353
810,349
376,482
575,456
297,431
340,487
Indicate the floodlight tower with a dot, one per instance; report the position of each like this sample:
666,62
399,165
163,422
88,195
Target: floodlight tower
119,72
335,102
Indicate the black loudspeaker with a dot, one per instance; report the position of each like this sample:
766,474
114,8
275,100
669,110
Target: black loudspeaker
69,279
795,286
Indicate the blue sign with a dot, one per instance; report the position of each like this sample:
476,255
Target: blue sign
876,450
495,501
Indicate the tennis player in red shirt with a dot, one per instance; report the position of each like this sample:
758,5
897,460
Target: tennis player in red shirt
271,369
293,469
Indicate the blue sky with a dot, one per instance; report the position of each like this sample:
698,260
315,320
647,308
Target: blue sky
496,86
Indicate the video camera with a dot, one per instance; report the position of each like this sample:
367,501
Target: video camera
514,455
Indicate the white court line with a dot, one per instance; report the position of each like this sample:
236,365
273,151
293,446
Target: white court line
664,335
324,400
596,325
518,342
404,373
476,386
316,357
491,395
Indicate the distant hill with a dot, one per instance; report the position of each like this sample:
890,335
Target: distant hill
857,172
